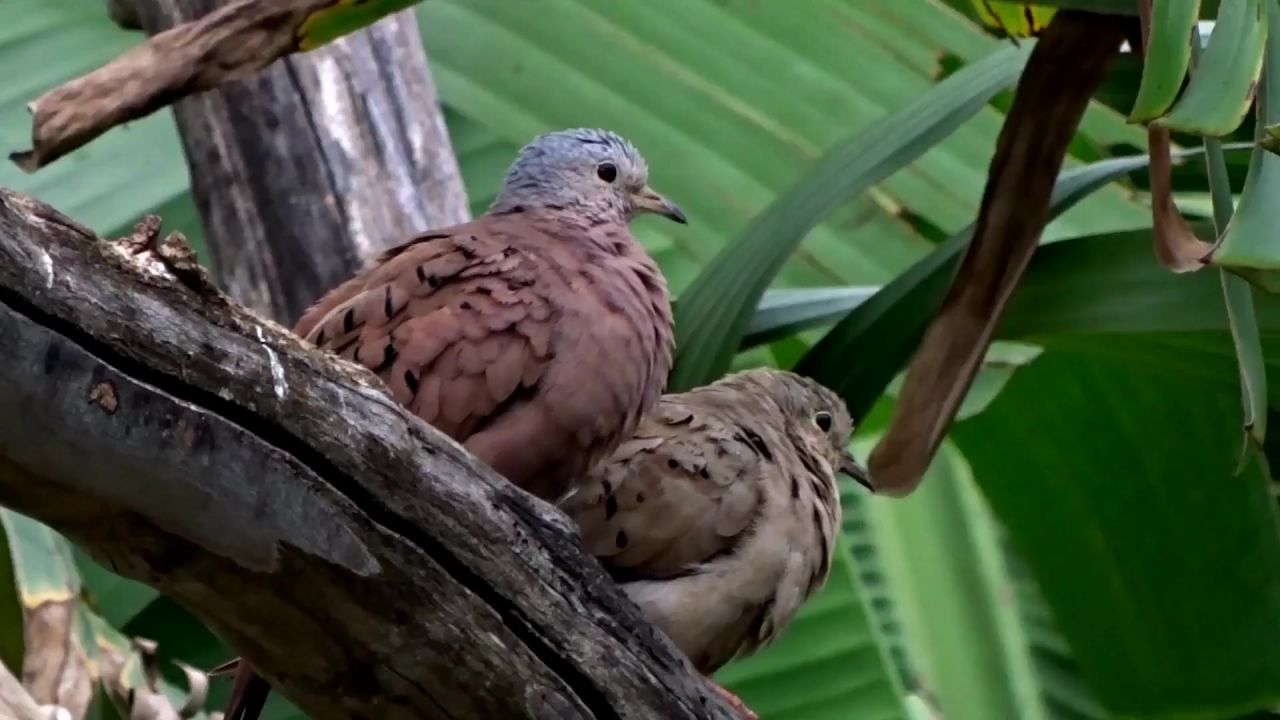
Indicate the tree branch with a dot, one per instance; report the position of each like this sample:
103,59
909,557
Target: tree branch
302,168
364,563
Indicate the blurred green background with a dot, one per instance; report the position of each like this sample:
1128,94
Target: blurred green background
1082,548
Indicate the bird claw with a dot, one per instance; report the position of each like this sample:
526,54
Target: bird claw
733,701
174,253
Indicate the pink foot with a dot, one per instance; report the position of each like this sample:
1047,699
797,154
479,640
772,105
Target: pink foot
734,701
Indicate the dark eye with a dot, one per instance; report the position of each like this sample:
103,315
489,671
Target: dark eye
823,419
607,171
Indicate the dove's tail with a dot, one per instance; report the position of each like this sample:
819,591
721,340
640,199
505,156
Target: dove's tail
248,695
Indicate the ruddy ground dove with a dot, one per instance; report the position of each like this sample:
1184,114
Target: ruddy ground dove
536,335
720,514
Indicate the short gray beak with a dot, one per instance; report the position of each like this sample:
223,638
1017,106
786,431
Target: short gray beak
850,466
651,202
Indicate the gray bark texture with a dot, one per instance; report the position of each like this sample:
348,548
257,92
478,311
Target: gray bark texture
305,170
363,562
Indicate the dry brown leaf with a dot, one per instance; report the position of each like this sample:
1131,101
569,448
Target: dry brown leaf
56,668
1064,70
17,704
234,41
1175,243
148,701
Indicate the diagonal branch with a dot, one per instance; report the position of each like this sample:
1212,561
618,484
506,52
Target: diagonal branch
364,563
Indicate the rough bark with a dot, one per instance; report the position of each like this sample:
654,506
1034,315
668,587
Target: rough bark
306,169
364,563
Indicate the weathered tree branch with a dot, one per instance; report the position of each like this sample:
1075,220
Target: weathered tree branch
306,169
364,563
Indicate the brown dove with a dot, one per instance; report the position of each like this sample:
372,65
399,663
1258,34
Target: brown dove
536,335
719,515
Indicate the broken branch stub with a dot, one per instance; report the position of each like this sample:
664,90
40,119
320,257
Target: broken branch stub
233,41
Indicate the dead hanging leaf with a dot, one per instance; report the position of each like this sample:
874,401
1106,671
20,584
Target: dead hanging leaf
132,679
69,649
1175,243
1065,68
56,670
236,40
17,704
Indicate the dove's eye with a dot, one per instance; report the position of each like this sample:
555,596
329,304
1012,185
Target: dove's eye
823,419
607,171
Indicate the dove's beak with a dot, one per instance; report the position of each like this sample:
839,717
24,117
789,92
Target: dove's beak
651,202
850,466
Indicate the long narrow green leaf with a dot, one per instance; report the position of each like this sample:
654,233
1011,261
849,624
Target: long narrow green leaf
939,552
116,598
717,307
345,17
1221,87
1167,57
894,319
1237,292
42,564
1247,247
783,312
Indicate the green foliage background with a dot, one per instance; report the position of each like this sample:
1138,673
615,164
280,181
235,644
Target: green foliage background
1082,548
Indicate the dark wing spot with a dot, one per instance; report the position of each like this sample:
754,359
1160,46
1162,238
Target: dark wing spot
795,487
639,498
682,421
824,550
422,274
389,354
757,443
610,507
809,461
671,463
621,540
465,305
349,320
386,303
412,381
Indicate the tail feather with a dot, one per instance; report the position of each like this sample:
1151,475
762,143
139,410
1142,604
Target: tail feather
248,695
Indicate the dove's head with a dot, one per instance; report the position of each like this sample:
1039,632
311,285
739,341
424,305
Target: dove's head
595,173
816,417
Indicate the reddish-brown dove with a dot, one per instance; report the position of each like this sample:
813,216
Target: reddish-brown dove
536,335
720,514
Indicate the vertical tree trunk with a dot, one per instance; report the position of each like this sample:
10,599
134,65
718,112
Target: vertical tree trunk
305,170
